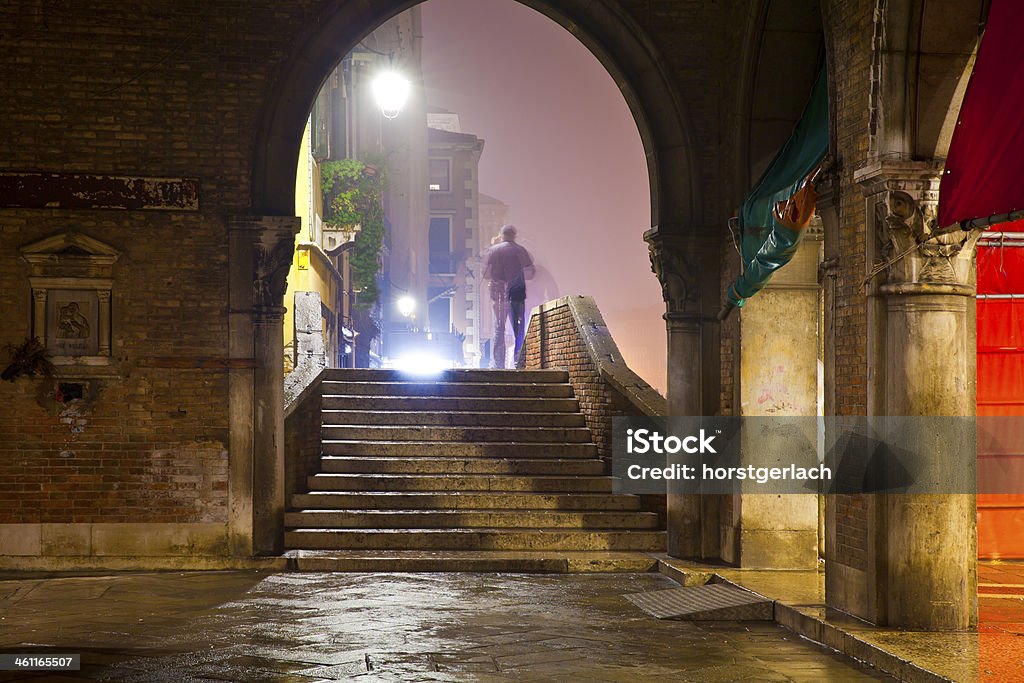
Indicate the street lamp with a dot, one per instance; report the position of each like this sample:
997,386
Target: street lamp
406,305
391,90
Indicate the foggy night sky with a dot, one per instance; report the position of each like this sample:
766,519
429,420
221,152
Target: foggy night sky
561,149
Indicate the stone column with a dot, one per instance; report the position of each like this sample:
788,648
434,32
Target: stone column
39,314
679,280
928,543
103,295
260,255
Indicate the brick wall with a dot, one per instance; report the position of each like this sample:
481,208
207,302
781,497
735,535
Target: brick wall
150,445
850,57
95,459
570,334
146,88
302,439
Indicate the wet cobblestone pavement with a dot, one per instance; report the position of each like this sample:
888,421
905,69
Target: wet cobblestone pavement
246,626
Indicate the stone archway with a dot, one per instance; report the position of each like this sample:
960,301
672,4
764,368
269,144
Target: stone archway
678,249
613,37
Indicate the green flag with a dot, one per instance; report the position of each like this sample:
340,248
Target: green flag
765,244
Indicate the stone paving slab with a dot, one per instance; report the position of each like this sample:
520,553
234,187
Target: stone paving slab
995,653
259,626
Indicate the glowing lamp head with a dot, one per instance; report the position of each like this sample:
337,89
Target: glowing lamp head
406,305
391,90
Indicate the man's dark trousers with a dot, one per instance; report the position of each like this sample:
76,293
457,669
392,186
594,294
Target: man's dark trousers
516,315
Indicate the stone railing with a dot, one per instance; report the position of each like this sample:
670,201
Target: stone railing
570,334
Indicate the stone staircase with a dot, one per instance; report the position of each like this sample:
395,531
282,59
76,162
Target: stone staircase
475,470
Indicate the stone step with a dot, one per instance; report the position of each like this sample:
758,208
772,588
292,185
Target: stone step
336,464
474,539
471,471
489,449
451,418
457,482
521,562
454,375
412,500
450,519
449,404
465,389
460,434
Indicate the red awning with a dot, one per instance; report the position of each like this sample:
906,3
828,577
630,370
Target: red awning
985,165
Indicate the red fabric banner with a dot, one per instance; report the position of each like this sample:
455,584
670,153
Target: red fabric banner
1000,269
985,164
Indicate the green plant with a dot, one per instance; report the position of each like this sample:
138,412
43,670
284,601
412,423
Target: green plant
353,195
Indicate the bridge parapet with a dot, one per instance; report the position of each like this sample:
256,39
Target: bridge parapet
570,334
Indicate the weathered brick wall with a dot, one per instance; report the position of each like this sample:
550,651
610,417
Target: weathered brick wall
133,452
730,335
146,88
151,445
302,439
850,48
562,335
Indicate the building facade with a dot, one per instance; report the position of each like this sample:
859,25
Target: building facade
454,291
346,123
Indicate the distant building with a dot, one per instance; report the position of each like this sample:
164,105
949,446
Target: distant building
346,123
454,290
433,241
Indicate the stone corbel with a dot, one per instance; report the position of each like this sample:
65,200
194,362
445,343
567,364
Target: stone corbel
908,254
917,255
268,243
678,277
272,261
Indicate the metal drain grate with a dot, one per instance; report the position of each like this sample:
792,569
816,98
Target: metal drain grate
710,602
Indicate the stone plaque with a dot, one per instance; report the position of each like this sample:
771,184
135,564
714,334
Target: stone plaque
72,322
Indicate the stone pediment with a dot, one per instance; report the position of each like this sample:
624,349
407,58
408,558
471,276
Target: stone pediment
70,254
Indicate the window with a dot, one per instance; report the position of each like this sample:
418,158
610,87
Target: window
440,175
440,310
439,241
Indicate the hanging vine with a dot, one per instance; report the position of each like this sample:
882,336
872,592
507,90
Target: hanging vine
353,195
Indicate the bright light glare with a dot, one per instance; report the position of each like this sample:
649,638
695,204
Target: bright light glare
391,90
406,305
421,364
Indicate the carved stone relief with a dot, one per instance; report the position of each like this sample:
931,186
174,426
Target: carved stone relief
914,252
273,259
677,277
71,276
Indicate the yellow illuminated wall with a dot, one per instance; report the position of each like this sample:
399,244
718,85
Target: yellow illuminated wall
312,270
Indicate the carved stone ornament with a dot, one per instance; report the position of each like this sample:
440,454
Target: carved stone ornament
914,253
677,278
273,259
71,276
